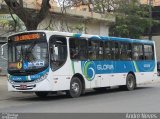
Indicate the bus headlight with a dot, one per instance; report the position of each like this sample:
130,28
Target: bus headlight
10,81
41,78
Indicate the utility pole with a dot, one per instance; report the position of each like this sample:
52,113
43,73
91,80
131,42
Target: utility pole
150,19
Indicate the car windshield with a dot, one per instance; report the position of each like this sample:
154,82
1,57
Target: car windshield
27,56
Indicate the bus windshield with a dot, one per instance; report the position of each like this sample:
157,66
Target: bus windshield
27,57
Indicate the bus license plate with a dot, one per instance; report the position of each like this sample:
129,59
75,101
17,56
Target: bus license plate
23,87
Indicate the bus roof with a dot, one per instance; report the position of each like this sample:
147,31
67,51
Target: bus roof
97,37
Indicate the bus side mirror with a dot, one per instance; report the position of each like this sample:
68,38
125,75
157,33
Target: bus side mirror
3,51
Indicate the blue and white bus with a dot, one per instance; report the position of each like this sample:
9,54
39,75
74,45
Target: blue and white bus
49,61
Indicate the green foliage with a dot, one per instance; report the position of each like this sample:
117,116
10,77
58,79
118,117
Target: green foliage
129,26
132,18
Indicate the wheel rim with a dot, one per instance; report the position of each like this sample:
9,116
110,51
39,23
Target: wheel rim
130,82
75,87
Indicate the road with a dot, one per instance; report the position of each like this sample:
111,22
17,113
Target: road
146,98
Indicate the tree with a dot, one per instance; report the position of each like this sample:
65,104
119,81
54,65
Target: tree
132,21
129,26
31,18
132,18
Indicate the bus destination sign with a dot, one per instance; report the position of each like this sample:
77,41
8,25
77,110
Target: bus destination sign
25,37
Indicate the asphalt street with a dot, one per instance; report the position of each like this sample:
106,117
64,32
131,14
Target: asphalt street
146,98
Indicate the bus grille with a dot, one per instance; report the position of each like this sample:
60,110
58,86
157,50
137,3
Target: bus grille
24,87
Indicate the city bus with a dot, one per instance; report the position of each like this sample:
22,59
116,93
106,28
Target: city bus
43,62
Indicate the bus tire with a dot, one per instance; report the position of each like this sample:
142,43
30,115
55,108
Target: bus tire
130,82
75,88
41,94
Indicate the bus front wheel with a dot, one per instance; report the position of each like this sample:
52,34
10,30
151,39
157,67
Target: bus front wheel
75,88
130,82
41,94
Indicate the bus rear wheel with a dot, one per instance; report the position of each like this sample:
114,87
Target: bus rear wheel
75,88
130,82
41,94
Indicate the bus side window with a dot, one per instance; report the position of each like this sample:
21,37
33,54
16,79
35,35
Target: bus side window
73,46
129,51
148,52
107,50
101,51
138,52
125,51
78,48
114,50
95,49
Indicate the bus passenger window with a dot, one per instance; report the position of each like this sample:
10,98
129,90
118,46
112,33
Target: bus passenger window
114,50
107,50
95,49
125,51
100,51
58,51
78,48
138,52
148,52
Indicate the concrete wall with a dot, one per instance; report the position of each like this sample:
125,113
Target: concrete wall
75,25
104,29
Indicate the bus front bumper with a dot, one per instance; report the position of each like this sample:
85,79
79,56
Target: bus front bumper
44,85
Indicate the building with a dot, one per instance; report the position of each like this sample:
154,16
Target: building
72,20
154,2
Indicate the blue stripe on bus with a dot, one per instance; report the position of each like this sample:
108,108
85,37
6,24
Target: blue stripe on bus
121,39
29,78
142,41
77,35
104,38
108,38
91,68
